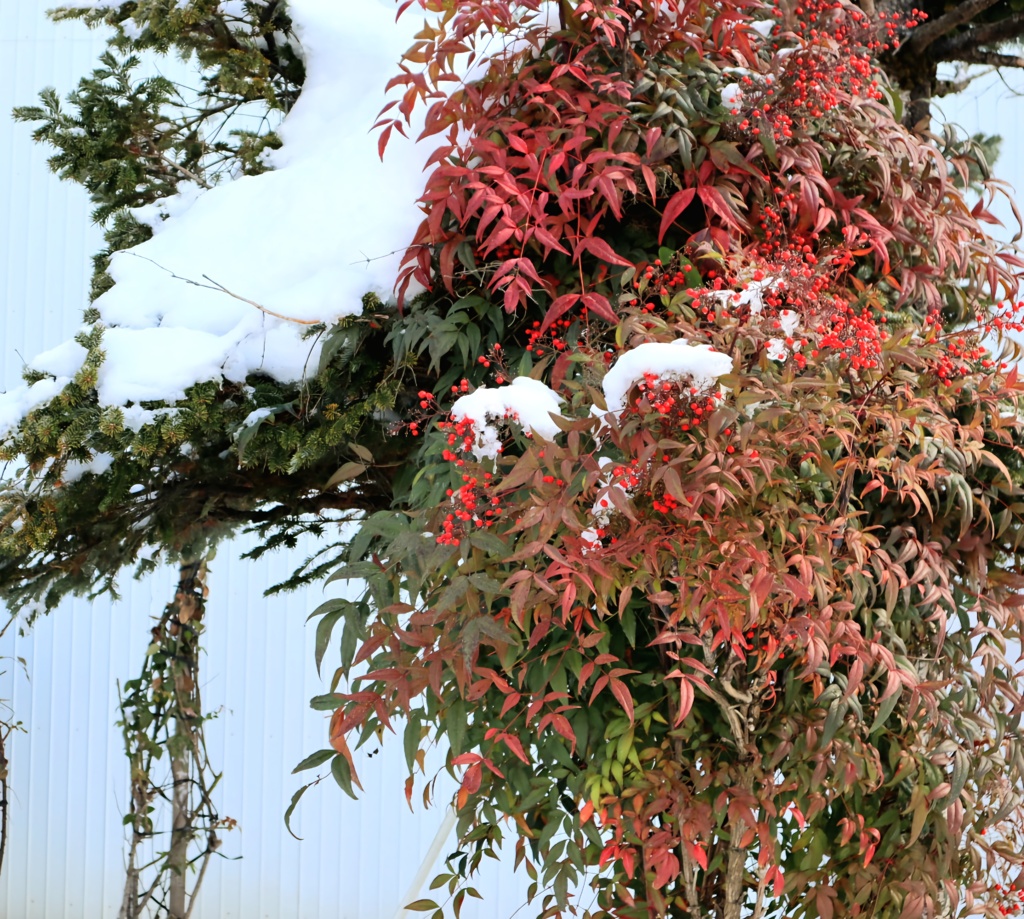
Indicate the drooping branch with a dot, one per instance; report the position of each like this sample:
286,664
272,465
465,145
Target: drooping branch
931,31
955,47
991,58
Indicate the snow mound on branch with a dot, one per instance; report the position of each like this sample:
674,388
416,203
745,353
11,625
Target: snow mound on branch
17,403
526,400
307,240
700,365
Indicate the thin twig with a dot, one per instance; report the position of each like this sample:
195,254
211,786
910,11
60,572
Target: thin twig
214,285
260,307
188,173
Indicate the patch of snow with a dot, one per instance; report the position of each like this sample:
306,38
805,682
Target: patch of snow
255,417
788,321
136,417
777,350
699,364
732,96
75,469
63,361
156,214
525,400
90,4
156,365
307,240
17,403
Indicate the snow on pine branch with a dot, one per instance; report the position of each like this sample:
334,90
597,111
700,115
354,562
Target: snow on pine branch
306,240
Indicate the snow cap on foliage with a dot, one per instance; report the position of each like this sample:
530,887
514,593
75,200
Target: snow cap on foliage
700,365
526,400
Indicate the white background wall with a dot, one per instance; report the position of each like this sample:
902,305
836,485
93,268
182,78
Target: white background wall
68,775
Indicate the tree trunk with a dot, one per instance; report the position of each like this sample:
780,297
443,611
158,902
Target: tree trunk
188,610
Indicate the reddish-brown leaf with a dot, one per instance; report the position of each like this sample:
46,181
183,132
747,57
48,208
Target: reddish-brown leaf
678,203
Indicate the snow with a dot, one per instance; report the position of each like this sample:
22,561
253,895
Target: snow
525,400
75,469
306,240
732,96
700,365
63,361
778,348
17,403
183,356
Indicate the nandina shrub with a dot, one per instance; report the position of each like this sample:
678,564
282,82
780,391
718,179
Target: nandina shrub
722,626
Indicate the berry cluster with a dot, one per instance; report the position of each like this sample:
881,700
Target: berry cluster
495,357
834,65
473,505
681,406
558,335
656,284
1009,901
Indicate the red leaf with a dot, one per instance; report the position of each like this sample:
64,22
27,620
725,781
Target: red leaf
512,742
621,693
512,298
597,246
678,203
548,239
685,701
448,262
714,202
471,780
558,308
652,182
339,744
698,855
628,862
561,724
382,141
823,902
599,305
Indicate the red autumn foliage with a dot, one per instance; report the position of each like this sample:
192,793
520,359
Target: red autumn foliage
740,643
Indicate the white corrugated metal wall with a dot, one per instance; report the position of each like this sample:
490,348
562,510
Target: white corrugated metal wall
68,779
68,776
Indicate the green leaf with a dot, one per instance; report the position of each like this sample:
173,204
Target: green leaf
291,809
412,737
342,773
314,760
833,719
323,633
325,703
455,725
421,906
883,713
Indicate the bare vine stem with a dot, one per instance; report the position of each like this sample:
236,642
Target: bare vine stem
162,711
